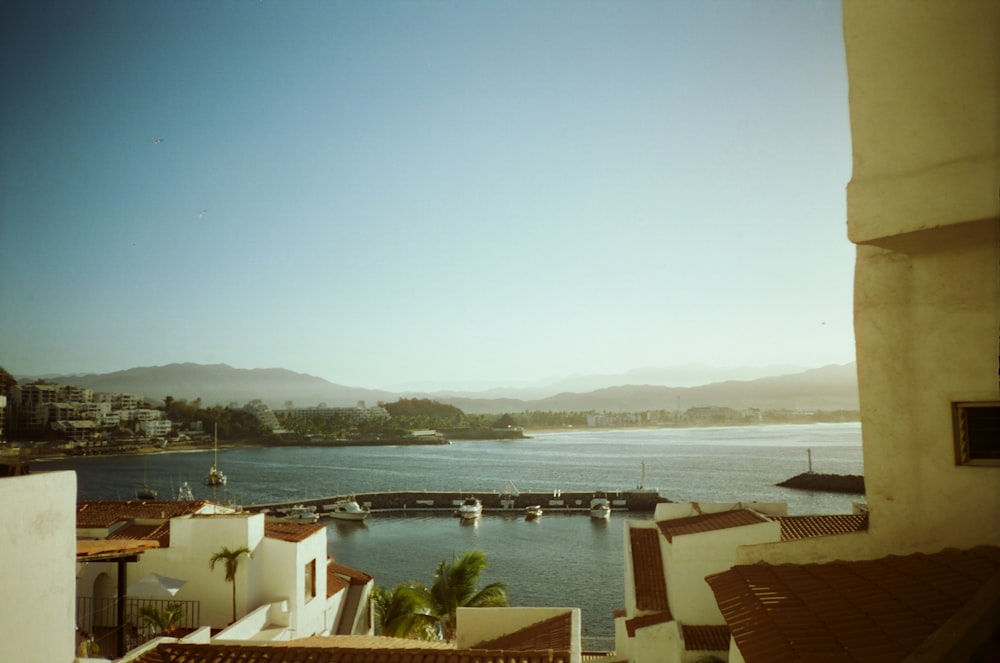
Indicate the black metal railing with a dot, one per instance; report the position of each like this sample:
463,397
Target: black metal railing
99,617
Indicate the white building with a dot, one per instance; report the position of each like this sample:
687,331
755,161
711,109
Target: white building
281,588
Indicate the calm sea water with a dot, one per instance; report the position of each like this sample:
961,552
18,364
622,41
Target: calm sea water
558,560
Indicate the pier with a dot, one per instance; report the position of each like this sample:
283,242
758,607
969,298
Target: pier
552,501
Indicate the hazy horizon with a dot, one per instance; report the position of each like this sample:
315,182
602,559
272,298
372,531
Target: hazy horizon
424,192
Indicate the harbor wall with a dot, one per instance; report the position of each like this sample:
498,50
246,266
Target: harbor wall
422,500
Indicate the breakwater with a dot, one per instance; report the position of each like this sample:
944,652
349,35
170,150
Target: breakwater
558,500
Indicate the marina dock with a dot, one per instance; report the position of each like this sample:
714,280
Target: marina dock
551,501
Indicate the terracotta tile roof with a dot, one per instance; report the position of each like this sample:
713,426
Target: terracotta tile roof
555,633
647,570
335,583
708,522
355,576
636,623
293,652
284,530
867,611
98,513
92,550
158,532
803,527
713,637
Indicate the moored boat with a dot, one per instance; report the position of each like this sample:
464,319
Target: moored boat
471,508
532,512
301,514
347,510
215,475
184,493
600,509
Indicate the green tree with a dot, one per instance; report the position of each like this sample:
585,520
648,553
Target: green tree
402,612
456,585
232,562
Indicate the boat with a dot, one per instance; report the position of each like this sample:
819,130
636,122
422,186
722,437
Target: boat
600,509
532,512
184,493
145,493
347,510
301,514
471,508
215,475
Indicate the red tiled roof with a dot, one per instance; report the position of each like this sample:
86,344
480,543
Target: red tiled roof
99,513
284,530
291,653
867,611
647,570
355,576
636,623
804,527
335,583
708,522
555,633
712,637
158,532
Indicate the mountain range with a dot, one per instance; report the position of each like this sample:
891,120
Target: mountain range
832,387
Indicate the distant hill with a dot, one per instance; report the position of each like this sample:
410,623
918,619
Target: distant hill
220,384
831,387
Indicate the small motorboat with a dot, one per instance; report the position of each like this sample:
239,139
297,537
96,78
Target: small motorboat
471,508
532,512
600,509
347,510
301,514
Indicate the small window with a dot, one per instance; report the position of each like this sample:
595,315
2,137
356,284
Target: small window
977,432
310,584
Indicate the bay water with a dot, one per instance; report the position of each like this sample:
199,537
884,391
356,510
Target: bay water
557,560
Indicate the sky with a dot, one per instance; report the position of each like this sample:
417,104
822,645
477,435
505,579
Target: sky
423,192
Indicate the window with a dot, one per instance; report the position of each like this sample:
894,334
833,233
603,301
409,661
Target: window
310,584
977,432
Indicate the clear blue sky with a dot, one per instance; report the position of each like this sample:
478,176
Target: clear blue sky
408,192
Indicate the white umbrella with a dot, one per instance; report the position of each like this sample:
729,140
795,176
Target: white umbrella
154,584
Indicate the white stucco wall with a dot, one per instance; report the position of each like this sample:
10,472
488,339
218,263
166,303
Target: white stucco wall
923,207
476,625
37,567
689,558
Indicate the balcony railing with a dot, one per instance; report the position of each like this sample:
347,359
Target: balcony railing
98,617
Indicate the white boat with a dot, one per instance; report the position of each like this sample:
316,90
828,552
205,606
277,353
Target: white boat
184,493
347,510
471,508
532,512
215,475
599,506
301,514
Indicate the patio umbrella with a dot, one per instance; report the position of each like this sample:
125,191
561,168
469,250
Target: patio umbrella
154,584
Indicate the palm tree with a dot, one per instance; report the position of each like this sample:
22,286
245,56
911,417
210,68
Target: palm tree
456,586
232,560
167,620
402,612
